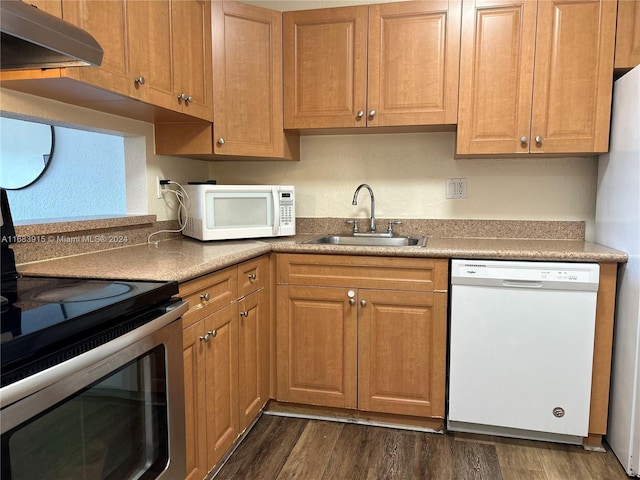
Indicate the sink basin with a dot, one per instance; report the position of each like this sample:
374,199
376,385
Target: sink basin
369,241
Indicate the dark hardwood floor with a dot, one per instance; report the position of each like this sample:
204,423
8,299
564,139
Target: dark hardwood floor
279,448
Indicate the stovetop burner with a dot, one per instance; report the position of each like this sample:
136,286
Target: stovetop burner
45,315
81,292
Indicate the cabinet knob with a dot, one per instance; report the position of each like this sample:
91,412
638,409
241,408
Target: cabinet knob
363,303
189,99
205,297
524,140
360,114
252,277
244,313
372,113
210,333
538,139
221,141
139,80
185,98
352,301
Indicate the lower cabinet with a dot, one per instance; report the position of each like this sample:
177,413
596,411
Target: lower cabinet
375,343
226,360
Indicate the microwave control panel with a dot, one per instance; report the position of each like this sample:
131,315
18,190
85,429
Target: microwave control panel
287,215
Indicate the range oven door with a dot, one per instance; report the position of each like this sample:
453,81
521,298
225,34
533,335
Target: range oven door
115,412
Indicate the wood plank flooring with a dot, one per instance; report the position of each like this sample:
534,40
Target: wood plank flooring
279,448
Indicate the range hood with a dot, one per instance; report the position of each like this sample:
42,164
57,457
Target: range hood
32,38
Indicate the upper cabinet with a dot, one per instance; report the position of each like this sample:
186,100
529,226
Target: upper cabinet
247,82
107,22
383,65
158,51
155,51
247,92
536,77
54,7
191,56
628,34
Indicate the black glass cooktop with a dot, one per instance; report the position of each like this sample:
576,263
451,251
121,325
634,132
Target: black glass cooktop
46,317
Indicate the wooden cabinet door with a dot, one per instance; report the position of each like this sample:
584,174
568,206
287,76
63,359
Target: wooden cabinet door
413,63
106,21
316,345
54,7
191,21
628,34
402,339
496,76
325,67
253,365
221,373
573,76
247,69
150,40
195,401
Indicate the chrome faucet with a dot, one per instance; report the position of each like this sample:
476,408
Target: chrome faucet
372,225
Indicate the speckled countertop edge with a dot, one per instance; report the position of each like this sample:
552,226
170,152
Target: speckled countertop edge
183,259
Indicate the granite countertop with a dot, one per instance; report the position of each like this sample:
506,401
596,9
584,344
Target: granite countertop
182,258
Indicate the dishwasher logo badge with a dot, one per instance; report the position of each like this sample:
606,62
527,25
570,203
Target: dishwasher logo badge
558,412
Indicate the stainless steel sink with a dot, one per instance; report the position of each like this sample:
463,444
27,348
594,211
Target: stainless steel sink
369,241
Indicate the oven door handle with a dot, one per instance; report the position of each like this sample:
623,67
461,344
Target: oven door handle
32,384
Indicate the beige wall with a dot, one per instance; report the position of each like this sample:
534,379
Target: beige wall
407,173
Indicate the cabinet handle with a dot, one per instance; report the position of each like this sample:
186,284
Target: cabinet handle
139,80
213,332
352,301
538,139
360,114
205,297
252,277
189,99
372,113
221,141
524,140
244,314
184,97
363,303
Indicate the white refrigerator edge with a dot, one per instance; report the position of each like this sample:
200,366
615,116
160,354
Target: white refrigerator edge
618,226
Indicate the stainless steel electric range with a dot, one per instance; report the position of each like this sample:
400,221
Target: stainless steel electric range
91,378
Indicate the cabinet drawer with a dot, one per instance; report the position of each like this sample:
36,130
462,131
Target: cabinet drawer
386,273
252,275
208,294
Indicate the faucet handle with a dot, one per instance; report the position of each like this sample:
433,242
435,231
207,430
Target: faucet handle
355,225
391,224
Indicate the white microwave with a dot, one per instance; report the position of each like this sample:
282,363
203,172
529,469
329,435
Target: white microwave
224,212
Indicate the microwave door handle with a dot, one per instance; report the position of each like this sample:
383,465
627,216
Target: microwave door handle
276,211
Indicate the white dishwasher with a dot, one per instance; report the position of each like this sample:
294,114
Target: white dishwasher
521,348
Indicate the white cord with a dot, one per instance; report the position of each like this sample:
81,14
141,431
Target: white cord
182,198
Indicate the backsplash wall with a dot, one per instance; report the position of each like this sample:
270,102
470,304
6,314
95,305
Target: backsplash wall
407,172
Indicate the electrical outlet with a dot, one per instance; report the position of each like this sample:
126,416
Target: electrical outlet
159,188
456,188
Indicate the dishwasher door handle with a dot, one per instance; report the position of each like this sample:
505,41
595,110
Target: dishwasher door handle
522,283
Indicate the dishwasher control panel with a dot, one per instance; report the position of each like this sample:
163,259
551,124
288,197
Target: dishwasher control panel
551,274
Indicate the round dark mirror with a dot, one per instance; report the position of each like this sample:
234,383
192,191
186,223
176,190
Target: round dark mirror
26,149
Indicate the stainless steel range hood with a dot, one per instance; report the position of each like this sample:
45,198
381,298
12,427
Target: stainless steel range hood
32,38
